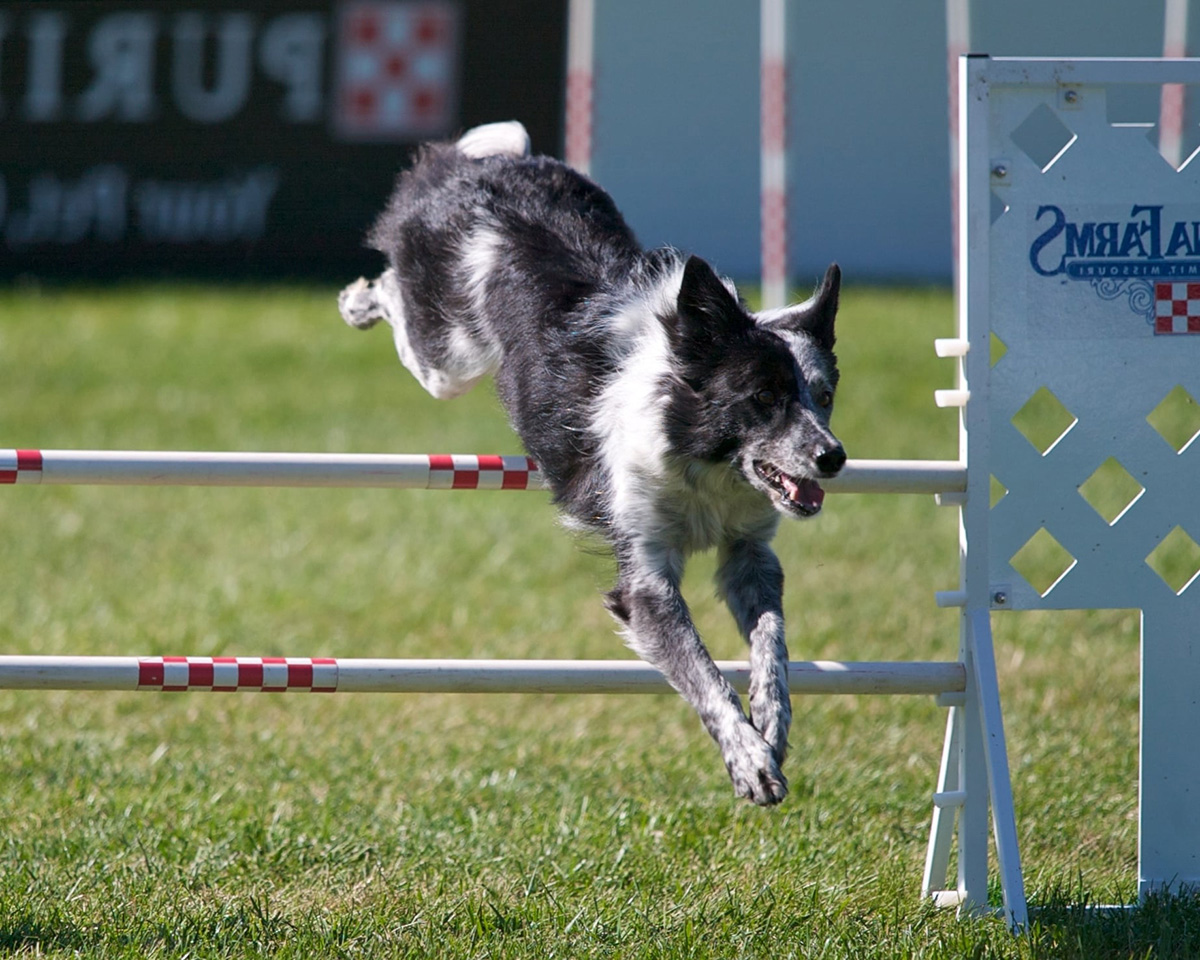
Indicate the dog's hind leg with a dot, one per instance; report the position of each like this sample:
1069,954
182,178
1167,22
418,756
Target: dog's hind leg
660,629
750,579
365,302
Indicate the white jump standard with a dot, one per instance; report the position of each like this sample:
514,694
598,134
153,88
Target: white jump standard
1070,226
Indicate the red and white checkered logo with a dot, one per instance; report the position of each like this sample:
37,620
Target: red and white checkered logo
1177,308
397,72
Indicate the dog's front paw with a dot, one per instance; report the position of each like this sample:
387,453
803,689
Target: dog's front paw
754,770
772,718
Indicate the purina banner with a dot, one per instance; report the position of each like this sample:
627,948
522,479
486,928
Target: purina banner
243,139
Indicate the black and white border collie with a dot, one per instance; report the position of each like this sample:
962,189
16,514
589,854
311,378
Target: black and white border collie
664,414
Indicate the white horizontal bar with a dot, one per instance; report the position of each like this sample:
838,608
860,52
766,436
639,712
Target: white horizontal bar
949,799
410,471
899,476
493,676
634,676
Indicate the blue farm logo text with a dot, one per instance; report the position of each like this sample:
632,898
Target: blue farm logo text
1146,259
1145,245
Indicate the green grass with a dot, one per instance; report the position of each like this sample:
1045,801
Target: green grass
142,825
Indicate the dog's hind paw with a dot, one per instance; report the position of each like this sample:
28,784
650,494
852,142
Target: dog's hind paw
755,772
358,305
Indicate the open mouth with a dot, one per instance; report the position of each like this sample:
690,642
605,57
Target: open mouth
796,493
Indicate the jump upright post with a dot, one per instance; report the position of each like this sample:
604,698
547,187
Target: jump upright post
1078,355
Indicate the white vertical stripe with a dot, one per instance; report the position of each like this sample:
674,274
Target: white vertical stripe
275,675
581,33
225,674
772,63
175,674
325,676
774,170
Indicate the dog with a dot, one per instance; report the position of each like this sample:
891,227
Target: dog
664,415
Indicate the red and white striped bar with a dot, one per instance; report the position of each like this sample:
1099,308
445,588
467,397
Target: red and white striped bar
329,675
404,471
167,468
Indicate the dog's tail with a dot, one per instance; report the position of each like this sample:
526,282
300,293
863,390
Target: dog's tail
507,139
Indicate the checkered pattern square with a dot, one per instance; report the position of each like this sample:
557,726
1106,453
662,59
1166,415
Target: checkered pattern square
1177,308
397,69
473,472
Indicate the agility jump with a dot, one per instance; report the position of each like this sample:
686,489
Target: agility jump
1111,384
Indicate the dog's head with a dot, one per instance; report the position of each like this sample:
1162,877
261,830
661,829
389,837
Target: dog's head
757,391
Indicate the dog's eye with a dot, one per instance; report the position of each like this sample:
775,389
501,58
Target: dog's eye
825,398
766,397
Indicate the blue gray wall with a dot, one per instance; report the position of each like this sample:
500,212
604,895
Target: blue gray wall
677,111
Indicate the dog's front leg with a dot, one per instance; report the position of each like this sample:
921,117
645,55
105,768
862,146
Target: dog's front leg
660,629
750,579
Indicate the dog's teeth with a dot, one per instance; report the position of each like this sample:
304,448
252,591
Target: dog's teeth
790,486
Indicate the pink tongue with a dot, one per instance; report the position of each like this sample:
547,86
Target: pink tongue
807,492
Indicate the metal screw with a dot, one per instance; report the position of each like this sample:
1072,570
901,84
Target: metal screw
1000,598
999,171
1071,96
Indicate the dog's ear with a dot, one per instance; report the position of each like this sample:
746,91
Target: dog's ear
706,307
815,316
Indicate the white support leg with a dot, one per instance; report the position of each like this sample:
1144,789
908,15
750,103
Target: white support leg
941,831
972,780
982,679
1169,779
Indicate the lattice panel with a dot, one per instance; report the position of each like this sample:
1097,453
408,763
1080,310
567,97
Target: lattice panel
1092,476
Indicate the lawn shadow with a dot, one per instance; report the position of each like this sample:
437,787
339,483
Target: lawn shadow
29,935
1161,926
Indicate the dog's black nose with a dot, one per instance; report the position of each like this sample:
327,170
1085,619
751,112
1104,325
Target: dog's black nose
832,460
